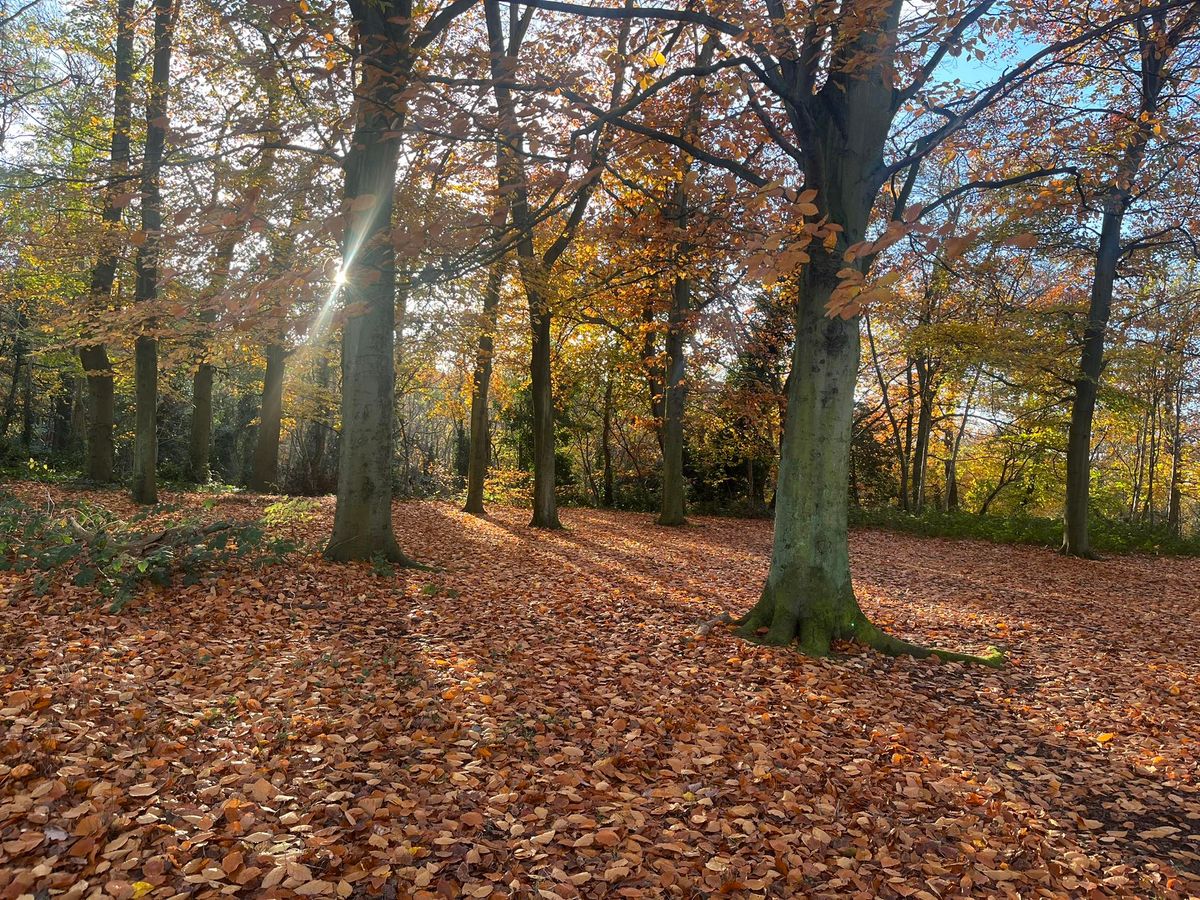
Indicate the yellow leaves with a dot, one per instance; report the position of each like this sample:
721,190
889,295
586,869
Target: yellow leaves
1105,737
141,889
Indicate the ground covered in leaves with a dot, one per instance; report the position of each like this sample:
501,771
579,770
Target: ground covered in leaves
535,719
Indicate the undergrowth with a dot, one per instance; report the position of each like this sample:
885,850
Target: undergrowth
1107,535
94,548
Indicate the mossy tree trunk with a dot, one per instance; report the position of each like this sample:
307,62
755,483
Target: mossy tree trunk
808,598
145,454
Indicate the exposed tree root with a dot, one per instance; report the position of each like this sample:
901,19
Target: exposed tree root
723,619
349,551
815,637
1081,554
871,636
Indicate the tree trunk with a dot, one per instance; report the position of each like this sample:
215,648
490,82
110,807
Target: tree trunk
1175,494
808,597
1156,45
672,509
27,409
480,451
1083,405
362,525
534,274
535,269
10,400
201,427
64,409
926,392
606,438
98,466
654,373
264,475
101,409
1152,461
885,396
952,501
545,505
145,456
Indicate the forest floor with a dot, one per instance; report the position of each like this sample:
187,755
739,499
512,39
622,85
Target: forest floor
536,718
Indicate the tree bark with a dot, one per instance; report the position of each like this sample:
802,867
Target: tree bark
200,437
264,475
672,511
545,441
480,450
1083,404
808,597
534,275
14,386
926,393
673,508
1157,41
362,526
885,396
93,357
1175,494
606,438
145,455
536,269
27,409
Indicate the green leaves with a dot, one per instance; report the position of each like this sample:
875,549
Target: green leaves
91,548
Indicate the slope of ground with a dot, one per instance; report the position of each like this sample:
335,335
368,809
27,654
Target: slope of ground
534,719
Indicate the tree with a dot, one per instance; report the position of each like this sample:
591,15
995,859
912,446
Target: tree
385,47
1160,34
145,454
94,357
479,448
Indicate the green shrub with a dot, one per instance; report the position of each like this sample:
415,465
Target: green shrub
116,557
1107,535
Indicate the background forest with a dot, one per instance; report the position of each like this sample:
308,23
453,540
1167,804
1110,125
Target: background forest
655,197
620,266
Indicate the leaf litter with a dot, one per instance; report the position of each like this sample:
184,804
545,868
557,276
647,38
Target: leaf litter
539,717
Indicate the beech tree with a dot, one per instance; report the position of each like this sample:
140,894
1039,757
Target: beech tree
1158,47
386,42
94,356
145,456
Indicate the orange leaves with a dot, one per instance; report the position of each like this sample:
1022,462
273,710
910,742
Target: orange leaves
855,292
535,724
